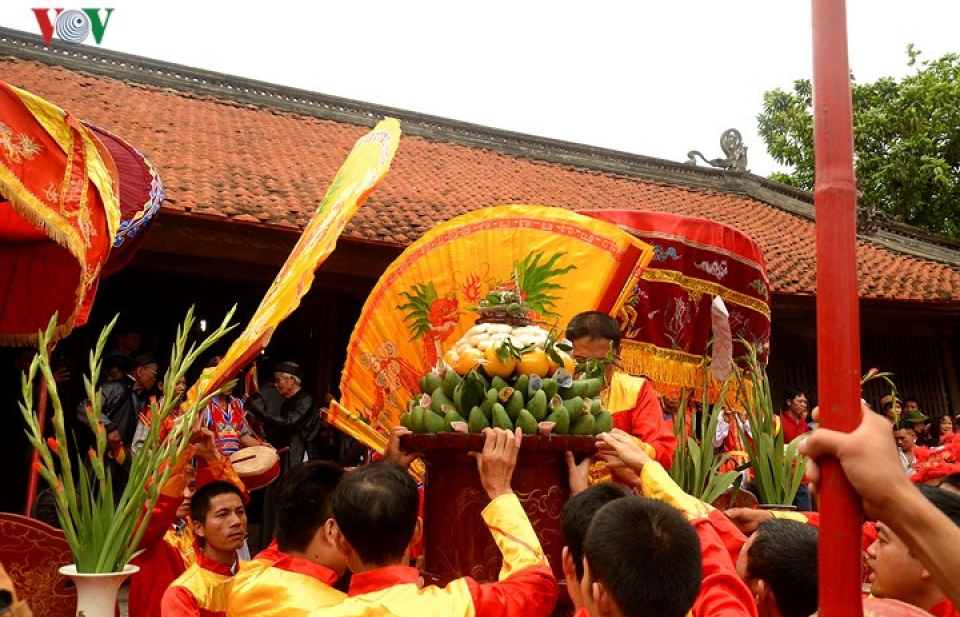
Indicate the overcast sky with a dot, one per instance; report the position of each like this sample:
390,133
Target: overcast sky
656,79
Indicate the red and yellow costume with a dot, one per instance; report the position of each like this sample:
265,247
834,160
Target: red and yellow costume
636,410
279,585
201,591
167,551
526,587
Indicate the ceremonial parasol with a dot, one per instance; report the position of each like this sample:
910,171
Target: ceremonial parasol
361,172
423,301
666,320
141,193
58,217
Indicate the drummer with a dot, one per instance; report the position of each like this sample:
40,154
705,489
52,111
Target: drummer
224,415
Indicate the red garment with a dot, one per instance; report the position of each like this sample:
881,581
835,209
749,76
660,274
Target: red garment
732,538
271,553
199,592
792,428
645,422
722,593
166,554
944,608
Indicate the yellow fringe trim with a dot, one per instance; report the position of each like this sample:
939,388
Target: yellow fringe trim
671,371
30,340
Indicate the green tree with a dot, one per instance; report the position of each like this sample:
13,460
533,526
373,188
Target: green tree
906,141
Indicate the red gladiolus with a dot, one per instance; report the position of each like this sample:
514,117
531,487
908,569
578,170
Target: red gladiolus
92,453
37,467
52,444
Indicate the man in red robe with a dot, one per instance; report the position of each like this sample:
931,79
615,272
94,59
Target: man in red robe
632,400
296,574
219,520
168,544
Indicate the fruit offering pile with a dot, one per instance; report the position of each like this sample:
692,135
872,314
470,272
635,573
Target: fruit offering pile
505,377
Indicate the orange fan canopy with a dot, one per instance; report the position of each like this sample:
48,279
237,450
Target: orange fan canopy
560,263
59,215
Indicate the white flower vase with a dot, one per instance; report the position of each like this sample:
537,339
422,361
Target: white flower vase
97,593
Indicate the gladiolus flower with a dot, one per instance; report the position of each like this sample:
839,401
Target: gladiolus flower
52,444
92,453
37,467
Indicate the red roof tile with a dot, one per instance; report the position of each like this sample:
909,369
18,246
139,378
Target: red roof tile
254,163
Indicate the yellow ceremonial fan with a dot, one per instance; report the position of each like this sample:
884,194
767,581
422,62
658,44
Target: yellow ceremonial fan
563,262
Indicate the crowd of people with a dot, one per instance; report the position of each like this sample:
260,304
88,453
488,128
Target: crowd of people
339,540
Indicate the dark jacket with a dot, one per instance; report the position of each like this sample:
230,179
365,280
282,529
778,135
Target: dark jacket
121,407
294,426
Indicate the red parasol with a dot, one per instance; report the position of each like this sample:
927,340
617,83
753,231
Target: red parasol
58,216
667,319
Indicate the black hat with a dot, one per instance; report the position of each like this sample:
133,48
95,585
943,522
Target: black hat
115,360
143,360
291,368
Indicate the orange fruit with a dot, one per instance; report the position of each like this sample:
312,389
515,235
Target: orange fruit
468,360
495,367
553,365
534,362
569,363
450,359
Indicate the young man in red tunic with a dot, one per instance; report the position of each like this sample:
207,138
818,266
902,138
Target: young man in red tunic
297,573
220,524
632,400
375,510
899,575
722,592
168,544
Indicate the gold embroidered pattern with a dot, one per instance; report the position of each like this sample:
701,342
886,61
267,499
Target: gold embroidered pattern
701,286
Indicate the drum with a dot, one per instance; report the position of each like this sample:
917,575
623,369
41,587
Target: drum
257,466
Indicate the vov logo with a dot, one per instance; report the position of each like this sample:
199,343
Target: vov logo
72,25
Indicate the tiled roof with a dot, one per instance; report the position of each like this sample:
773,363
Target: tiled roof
222,155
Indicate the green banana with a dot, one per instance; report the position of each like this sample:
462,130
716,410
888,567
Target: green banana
487,405
433,422
417,421
499,383
561,420
550,387
521,385
603,422
526,422
477,421
430,382
438,399
449,418
537,405
406,420
450,381
514,405
574,407
583,426
596,406
500,418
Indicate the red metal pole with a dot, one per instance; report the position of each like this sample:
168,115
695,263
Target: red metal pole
838,317
35,458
